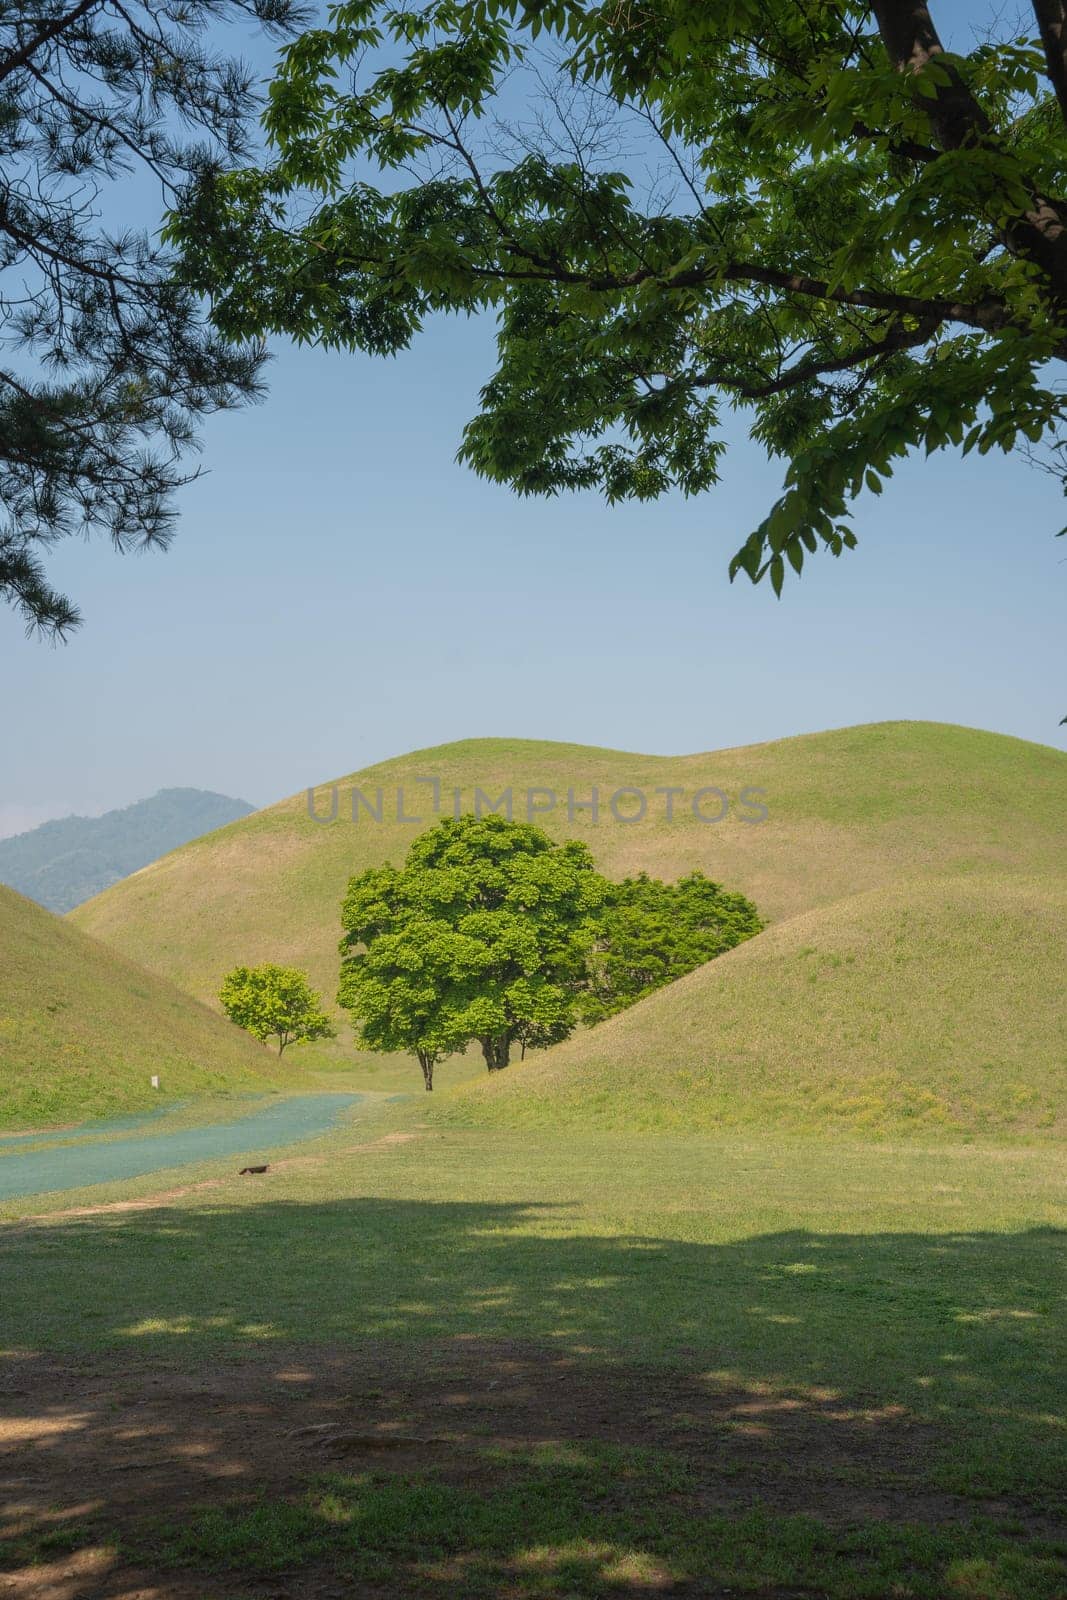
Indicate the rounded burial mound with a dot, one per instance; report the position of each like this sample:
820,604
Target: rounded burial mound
933,1007
82,1029
846,812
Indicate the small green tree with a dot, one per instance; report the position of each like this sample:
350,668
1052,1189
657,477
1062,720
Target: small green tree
275,1002
652,933
483,935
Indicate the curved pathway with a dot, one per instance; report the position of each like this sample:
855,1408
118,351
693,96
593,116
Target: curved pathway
76,1166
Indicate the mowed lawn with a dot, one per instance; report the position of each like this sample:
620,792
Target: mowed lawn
447,1362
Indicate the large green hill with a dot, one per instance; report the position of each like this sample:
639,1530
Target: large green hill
849,811
82,1030
935,1006
910,980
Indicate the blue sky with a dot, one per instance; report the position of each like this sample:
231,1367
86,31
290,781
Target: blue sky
341,590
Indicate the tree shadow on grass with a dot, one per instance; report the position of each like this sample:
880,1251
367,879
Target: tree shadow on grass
352,1381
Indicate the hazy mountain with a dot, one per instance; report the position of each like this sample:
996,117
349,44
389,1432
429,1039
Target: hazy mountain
62,863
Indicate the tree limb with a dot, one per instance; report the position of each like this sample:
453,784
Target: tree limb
1052,20
898,338
18,58
987,315
959,122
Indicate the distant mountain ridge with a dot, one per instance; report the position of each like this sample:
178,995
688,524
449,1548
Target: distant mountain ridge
62,863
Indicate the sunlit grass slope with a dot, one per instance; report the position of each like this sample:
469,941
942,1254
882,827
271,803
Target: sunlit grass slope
82,1029
848,811
932,1007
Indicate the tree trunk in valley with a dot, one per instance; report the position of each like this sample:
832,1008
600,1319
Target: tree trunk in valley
426,1063
497,1052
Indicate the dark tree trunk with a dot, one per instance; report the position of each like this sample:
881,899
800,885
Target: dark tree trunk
497,1051
958,121
1052,20
426,1063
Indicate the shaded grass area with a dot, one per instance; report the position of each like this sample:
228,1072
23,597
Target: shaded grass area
546,1521
593,1521
964,1332
919,1284
691,1365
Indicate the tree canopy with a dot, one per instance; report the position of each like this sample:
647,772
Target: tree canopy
481,936
651,933
107,362
273,1002
850,233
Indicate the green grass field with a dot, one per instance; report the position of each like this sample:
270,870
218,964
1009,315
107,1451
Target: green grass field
607,1363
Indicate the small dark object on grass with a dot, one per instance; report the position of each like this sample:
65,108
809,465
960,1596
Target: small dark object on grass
243,1170
378,1441
326,1433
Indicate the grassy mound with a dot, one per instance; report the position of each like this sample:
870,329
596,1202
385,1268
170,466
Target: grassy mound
848,811
934,1007
82,1029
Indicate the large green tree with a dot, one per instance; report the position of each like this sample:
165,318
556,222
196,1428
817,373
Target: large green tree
651,933
482,936
108,109
395,970
854,235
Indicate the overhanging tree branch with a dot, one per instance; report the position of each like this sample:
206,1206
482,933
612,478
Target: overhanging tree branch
857,193
13,59
116,362
897,339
